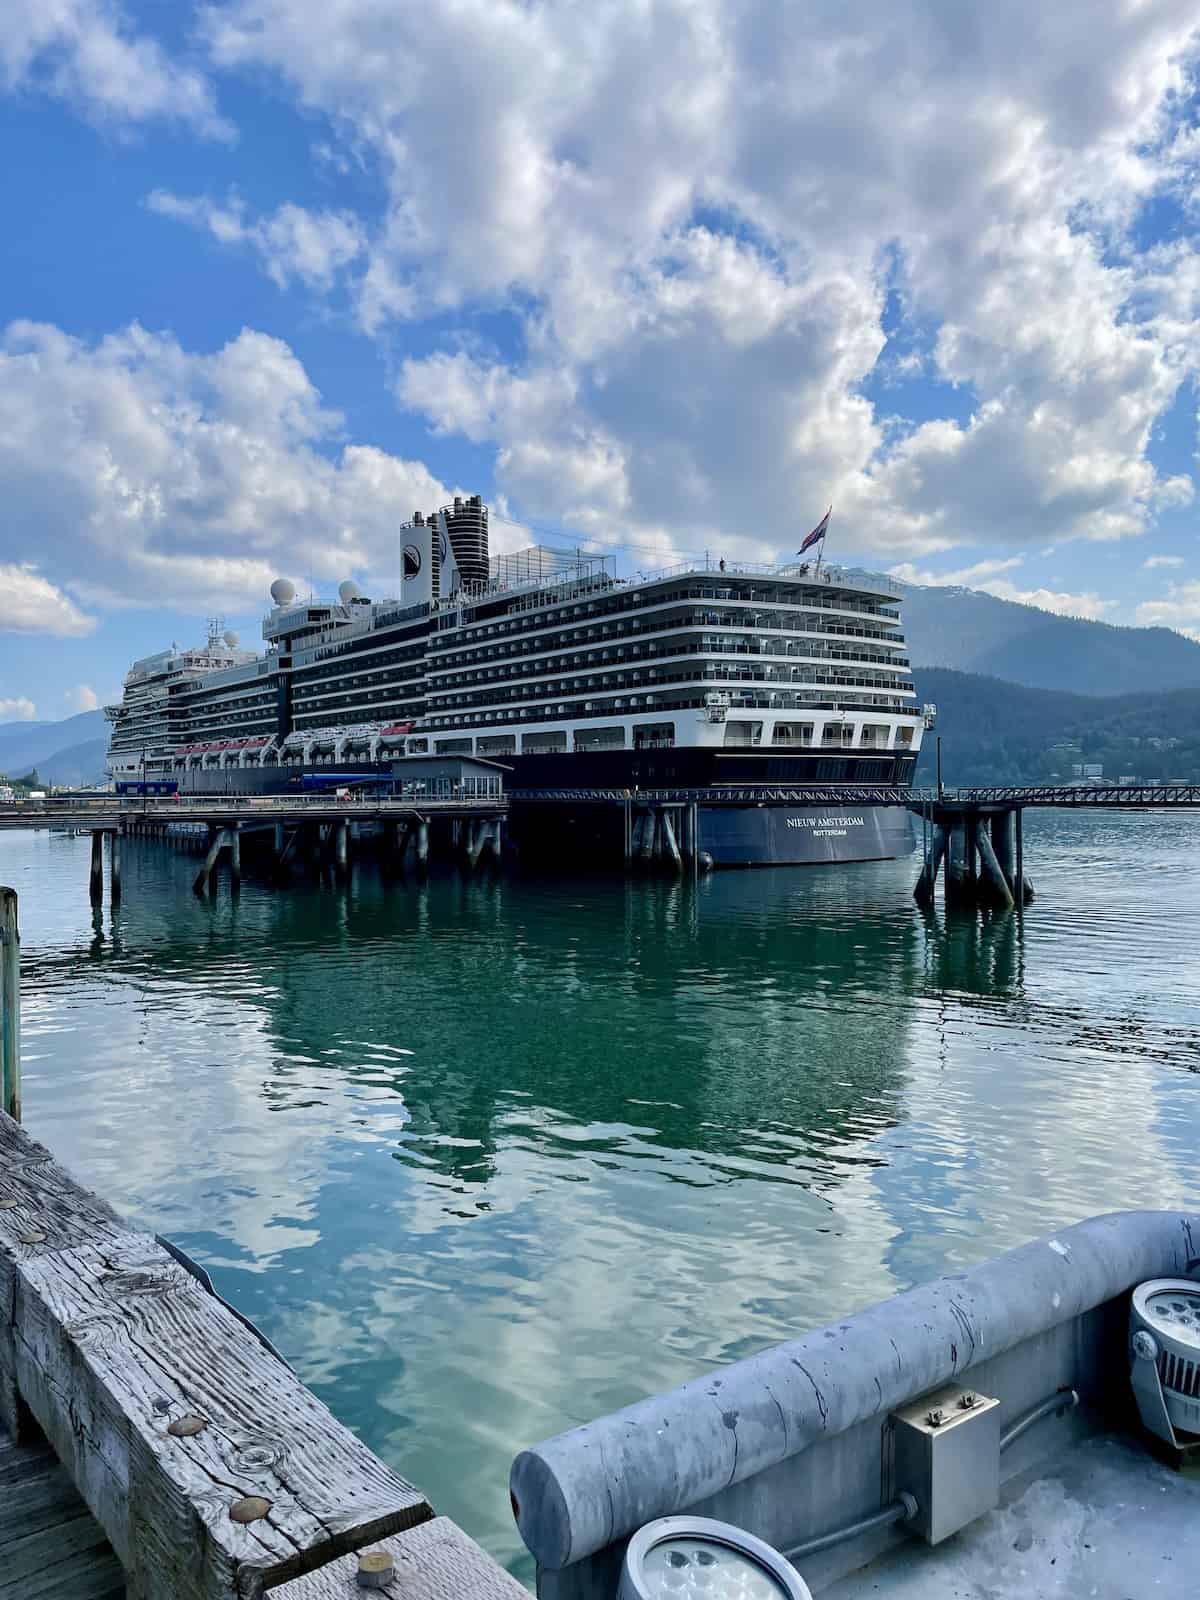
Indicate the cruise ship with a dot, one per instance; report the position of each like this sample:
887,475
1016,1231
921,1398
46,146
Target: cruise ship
716,677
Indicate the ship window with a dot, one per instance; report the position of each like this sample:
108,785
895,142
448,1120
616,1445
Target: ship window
653,735
743,733
792,733
453,747
532,742
611,738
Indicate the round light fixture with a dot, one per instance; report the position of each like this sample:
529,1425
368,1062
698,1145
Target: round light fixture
1164,1327
695,1558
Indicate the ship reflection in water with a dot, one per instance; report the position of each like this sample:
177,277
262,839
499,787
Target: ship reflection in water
488,1158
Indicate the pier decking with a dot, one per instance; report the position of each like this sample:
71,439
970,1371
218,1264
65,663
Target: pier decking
50,1544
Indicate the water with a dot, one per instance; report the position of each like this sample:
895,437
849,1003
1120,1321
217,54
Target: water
486,1160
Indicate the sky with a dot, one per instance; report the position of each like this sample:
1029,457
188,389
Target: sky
655,276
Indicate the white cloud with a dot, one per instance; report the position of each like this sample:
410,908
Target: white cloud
965,577
1179,608
82,698
1066,604
1162,561
87,53
18,709
30,603
152,475
695,209
313,247
983,576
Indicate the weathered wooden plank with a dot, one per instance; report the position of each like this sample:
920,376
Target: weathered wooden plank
436,1561
37,1197
50,1544
72,1561
114,1341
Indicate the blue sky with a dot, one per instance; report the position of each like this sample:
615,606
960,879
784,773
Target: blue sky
658,276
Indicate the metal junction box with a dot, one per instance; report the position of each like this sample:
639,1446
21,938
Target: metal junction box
947,1456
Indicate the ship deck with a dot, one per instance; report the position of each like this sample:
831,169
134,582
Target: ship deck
1105,1521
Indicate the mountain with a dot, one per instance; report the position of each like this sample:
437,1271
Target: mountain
79,765
996,732
973,632
77,744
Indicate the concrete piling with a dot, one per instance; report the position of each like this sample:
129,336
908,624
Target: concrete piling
992,884
670,848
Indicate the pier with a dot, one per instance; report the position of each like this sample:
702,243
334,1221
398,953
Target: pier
465,823
972,837
153,1445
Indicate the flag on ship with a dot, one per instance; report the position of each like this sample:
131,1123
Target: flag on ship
818,533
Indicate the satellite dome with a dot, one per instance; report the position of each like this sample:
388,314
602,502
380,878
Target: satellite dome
283,591
230,638
348,591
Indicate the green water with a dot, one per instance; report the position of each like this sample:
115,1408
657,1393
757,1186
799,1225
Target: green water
486,1160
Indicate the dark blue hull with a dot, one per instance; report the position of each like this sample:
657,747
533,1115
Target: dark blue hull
781,835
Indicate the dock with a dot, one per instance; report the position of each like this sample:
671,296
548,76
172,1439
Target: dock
152,1444
464,823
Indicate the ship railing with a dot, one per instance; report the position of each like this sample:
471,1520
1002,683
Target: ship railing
806,572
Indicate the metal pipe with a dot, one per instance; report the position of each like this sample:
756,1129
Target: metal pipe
902,1509
1061,1400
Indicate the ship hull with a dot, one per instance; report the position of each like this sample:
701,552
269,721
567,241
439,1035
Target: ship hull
784,835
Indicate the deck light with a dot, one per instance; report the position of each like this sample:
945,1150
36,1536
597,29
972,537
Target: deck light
695,1558
1165,1342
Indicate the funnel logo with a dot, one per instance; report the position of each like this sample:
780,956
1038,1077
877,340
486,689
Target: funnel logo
443,545
412,563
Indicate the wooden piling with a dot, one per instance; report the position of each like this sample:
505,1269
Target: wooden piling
114,867
1024,893
216,843
10,1005
927,882
341,847
96,878
235,856
422,845
958,883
